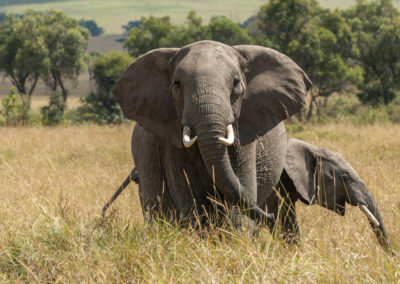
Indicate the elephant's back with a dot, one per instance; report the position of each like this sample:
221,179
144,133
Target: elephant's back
271,152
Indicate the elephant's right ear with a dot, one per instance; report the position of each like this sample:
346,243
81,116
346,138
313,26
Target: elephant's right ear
301,166
143,93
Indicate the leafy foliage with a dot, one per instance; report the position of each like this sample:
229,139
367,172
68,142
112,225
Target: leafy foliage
343,51
100,106
23,54
376,25
148,35
14,108
50,46
53,114
224,30
92,27
66,42
320,41
131,24
160,32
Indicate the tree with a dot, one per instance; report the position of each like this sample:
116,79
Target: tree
92,27
100,105
148,35
107,68
23,54
318,40
66,42
377,28
3,16
159,32
131,24
192,31
226,31
14,110
282,22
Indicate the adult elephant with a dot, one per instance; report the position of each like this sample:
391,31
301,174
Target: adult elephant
209,124
320,176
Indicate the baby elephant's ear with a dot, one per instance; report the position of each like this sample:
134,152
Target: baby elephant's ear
301,166
276,89
143,93
313,174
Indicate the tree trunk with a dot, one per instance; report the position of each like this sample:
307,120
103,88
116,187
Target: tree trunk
20,87
54,85
300,116
33,86
310,108
64,91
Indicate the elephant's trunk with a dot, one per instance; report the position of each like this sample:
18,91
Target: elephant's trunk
210,116
379,228
368,205
216,159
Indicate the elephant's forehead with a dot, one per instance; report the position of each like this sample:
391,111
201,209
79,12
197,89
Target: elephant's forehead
203,60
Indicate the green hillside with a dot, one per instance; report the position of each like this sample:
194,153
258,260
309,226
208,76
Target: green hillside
112,14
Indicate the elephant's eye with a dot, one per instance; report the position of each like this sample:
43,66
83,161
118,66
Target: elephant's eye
177,84
236,81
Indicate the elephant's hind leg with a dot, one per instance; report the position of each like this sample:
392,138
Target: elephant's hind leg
153,191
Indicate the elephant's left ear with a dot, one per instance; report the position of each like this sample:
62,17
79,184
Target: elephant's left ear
276,89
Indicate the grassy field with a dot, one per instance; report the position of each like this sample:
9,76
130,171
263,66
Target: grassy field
111,15
54,182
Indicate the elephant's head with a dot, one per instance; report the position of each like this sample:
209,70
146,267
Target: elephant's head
324,177
196,93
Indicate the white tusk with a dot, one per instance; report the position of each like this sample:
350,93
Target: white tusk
370,216
228,141
187,142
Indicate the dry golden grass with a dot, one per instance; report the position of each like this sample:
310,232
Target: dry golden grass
54,182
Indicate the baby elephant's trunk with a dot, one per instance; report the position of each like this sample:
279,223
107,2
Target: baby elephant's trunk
368,205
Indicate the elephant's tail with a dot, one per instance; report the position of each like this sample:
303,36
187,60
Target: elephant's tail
133,176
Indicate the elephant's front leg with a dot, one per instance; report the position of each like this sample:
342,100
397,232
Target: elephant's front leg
189,183
285,225
153,191
282,204
289,227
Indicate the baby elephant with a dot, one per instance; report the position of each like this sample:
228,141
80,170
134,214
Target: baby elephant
319,176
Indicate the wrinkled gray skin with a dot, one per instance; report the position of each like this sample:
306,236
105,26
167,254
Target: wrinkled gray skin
207,86
319,176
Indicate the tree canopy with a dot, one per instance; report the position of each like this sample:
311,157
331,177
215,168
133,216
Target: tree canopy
92,27
66,42
155,32
353,50
376,26
47,45
100,105
23,53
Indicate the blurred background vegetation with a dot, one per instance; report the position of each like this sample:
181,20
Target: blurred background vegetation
351,53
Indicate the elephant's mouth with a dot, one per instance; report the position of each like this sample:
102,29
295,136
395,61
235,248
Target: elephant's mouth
227,141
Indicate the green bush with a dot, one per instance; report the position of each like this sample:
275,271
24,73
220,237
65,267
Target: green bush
53,114
393,110
100,106
94,109
14,109
348,109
